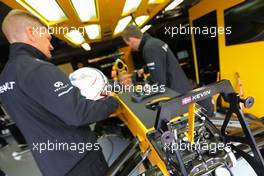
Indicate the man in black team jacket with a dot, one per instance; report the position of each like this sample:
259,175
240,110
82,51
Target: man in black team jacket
51,113
161,63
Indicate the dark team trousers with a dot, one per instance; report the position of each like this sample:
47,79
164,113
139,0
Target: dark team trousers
98,166
2,142
2,173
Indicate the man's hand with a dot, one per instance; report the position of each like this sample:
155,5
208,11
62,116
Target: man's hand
106,93
125,79
140,72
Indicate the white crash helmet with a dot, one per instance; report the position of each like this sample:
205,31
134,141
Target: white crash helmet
90,81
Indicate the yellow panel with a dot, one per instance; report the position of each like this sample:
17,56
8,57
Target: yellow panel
246,59
139,131
191,121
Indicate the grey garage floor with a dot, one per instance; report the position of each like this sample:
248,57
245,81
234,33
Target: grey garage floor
27,166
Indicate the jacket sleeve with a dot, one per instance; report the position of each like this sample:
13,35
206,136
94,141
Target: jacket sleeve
155,58
52,89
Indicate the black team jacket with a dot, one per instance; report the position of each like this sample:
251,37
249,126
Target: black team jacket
51,113
162,65
165,69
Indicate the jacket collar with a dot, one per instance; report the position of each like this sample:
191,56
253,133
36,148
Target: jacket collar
25,49
144,39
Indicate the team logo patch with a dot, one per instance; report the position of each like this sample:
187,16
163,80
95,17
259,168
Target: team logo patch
58,84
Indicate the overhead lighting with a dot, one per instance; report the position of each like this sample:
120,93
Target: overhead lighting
130,6
145,28
86,46
141,20
86,9
93,31
174,4
122,24
156,1
75,36
48,9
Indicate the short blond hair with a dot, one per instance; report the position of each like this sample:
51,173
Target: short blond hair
16,21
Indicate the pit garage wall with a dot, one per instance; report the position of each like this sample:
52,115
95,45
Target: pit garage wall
246,59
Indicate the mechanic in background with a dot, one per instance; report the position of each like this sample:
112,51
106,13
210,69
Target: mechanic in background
161,63
44,104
